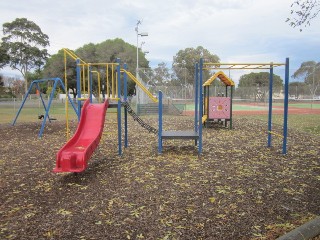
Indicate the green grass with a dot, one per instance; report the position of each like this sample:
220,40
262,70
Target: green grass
262,106
236,107
30,114
309,105
303,122
305,105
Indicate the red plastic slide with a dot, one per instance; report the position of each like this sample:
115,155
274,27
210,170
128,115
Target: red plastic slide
74,155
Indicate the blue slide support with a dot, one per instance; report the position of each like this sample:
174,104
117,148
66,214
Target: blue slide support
125,93
90,82
78,71
119,108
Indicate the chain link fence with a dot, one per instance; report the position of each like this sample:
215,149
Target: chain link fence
252,102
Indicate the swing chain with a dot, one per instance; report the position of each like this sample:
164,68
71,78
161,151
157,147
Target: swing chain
138,119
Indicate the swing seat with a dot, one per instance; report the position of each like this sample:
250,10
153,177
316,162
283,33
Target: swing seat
40,117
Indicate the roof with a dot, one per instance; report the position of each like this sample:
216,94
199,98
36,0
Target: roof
223,78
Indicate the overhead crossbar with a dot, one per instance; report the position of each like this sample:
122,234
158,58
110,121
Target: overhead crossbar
218,66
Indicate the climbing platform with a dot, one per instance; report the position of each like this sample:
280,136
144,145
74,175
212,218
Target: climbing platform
180,135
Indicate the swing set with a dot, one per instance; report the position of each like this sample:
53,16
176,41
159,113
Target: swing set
45,117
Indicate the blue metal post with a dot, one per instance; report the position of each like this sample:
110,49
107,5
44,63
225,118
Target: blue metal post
286,104
119,108
196,106
43,103
78,71
125,94
160,123
23,102
48,108
90,82
200,105
70,101
231,102
270,105
196,95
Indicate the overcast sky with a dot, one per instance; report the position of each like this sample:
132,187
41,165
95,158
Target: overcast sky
235,30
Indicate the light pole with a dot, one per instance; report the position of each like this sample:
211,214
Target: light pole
143,34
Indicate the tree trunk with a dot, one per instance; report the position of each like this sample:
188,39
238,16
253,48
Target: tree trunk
25,86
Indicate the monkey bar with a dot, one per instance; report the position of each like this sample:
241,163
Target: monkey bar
218,66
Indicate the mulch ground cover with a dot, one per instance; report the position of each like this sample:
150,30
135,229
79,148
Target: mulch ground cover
237,189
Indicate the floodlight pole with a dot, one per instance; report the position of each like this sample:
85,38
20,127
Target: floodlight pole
144,34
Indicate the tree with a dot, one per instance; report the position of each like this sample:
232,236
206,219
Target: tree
184,61
104,52
4,57
1,81
298,89
55,68
257,85
110,50
161,74
25,43
302,12
17,87
87,52
309,72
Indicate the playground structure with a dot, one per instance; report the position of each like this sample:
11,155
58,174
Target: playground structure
266,66
218,108
74,155
195,134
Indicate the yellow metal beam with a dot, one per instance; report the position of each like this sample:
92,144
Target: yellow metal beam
241,64
211,65
103,64
73,55
276,134
133,78
223,78
204,118
234,68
